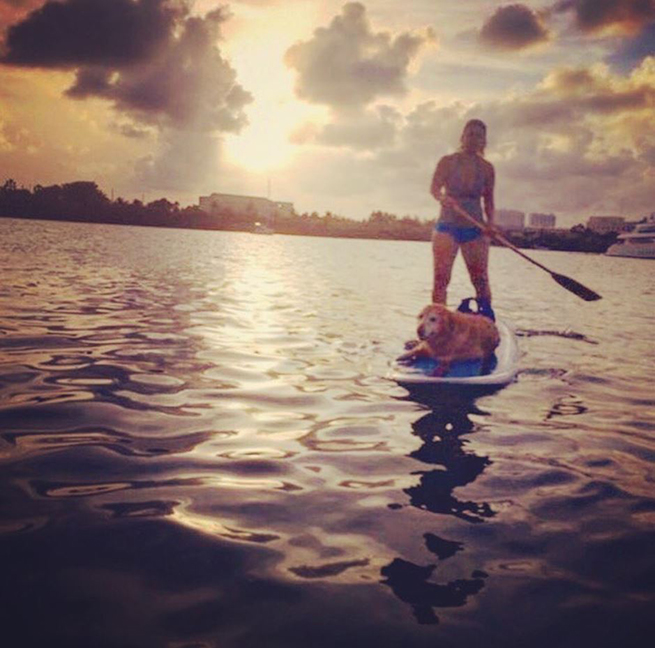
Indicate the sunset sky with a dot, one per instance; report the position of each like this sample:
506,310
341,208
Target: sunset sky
344,107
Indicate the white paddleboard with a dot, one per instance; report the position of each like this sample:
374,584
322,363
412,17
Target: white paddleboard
467,374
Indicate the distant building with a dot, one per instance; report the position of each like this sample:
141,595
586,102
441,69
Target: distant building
259,207
542,221
606,224
510,219
285,208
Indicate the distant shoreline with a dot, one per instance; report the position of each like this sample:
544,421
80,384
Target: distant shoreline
76,201
559,242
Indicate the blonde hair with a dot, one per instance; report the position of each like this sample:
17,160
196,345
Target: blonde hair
474,137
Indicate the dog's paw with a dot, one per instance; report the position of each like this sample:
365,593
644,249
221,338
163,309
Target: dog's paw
411,344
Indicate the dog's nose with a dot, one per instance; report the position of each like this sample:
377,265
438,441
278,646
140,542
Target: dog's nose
420,331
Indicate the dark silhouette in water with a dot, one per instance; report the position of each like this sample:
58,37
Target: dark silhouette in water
409,583
440,430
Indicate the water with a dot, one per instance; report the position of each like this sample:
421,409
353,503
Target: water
199,448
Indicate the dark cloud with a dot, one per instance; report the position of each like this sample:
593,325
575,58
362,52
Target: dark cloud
20,3
115,33
13,10
149,57
634,49
513,27
596,15
132,131
187,85
158,65
590,91
349,64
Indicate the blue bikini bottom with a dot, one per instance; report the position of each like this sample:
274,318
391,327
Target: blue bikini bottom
459,234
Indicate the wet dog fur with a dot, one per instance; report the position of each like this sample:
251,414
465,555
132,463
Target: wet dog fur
447,336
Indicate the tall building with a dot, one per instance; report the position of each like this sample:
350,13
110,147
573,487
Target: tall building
259,207
542,221
510,219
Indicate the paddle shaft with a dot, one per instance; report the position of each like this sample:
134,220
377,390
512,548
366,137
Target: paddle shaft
566,282
498,237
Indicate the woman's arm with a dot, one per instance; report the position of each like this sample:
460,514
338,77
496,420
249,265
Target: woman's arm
439,179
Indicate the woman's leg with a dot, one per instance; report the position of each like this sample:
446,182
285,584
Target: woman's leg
476,257
444,251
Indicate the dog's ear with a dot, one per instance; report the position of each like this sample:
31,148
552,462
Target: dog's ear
447,319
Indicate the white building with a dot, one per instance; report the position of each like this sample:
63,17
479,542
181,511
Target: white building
258,207
606,224
542,221
510,219
285,208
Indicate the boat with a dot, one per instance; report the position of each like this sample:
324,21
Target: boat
639,243
261,228
463,376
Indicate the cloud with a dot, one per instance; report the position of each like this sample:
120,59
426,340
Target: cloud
114,33
74,141
349,64
513,27
149,57
188,85
581,142
13,10
361,129
629,16
182,160
586,92
130,130
159,67
634,49
21,4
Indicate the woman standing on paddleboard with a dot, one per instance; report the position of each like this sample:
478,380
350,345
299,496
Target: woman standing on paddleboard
464,179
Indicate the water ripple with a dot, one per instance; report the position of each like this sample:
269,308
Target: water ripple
195,432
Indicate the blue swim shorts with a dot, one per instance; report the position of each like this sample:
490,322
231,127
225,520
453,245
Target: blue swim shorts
460,234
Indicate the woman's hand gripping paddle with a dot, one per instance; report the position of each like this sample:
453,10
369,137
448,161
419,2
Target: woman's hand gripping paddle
566,282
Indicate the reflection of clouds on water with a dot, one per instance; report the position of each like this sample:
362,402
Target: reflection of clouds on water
440,430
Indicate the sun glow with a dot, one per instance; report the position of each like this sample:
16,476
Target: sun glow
257,54
264,144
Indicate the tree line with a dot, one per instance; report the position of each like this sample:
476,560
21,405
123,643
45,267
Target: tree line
84,201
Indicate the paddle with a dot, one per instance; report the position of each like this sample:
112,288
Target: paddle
566,282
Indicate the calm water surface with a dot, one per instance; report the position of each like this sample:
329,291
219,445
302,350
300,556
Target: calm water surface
199,448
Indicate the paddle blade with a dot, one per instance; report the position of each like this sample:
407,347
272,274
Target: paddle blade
575,287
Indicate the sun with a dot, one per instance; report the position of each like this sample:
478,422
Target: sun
264,144
256,45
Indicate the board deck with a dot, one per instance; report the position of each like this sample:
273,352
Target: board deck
467,373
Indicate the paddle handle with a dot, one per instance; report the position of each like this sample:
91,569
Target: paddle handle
497,236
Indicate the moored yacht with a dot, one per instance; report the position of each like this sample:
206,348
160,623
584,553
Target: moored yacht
638,243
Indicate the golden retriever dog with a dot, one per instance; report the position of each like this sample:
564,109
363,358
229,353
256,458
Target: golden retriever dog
448,336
